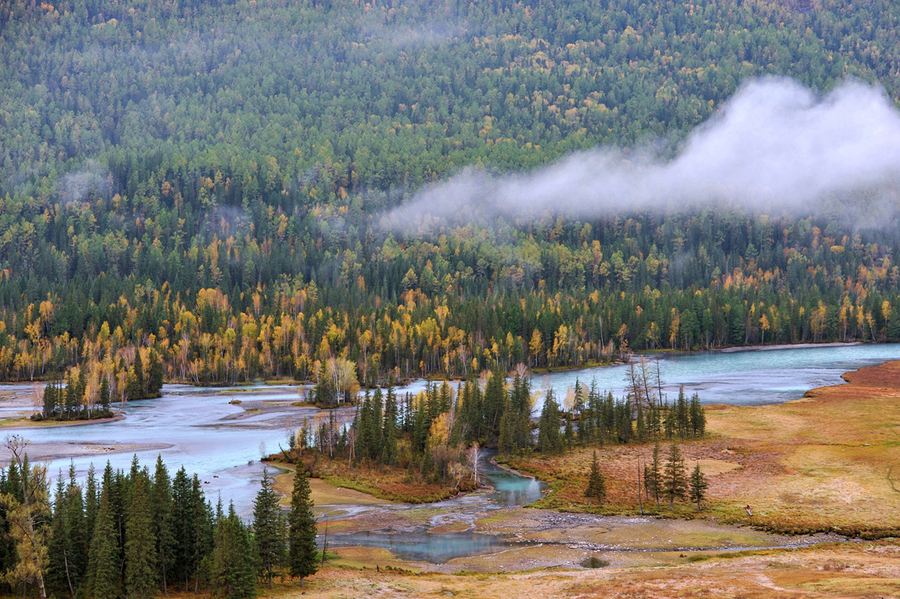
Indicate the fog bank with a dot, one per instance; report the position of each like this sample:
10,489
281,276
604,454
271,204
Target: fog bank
774,147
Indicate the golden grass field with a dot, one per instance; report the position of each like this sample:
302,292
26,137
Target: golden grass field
868,569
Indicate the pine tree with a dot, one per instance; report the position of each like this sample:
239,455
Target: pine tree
183,532
698,486
549,438
268,528
162,522
104,395
202,527
91,505
104,565
389,430
232,574
50,400
155,376
140,541
57,579
302,529
652,482
596,487
674,477
697,417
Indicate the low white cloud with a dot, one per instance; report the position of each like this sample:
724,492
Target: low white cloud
775,147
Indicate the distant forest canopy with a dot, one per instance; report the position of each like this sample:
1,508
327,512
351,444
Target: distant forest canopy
199,179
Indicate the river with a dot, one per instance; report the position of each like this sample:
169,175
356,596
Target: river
204,430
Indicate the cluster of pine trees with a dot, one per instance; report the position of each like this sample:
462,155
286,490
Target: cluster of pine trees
140,534
669,481
432,434
87,393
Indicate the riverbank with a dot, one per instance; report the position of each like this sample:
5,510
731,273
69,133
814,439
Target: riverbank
826,462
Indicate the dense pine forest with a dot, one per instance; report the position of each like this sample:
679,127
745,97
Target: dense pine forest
198,184
142,534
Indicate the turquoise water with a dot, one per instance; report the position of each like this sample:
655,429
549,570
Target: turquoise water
748,377
423,546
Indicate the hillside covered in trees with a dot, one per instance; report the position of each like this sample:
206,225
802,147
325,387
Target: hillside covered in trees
200,183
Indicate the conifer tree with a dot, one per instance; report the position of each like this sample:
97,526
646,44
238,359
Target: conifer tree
183,528
549,437
302,528
674,477
232,574
389,430
268,528
140,541
697,417
91,501
104,565
596,487
652,473
104,395
155,375
162,522
698,486
57,579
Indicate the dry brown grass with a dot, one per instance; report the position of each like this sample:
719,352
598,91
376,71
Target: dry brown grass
820,463
850,570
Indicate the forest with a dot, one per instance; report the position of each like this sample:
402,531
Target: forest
199,183
141,534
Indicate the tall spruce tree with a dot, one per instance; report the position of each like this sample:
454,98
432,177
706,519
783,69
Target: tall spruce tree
301,529
653,474
162,522
232,574
268,528
596,487
104,562
674,476
698,486
140,540
549,437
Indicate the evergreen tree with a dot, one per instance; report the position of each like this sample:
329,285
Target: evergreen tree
91,505
652,473
232,574
155,376
104,395
302,528
140,540
389,430
183,528
104,564
549,437
674,477
596,487
268,528
202,528
51,398
162,522
58,581
698,486
697,417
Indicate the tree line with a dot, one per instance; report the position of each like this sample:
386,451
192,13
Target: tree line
436,434
138,533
